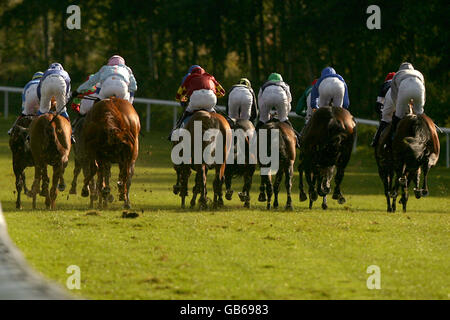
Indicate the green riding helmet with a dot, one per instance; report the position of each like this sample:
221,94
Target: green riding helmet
275,77
245,82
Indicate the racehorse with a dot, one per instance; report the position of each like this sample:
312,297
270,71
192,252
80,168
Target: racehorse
246,169
208,121
21,155
287,154
415,148
50,145
326,145
110,135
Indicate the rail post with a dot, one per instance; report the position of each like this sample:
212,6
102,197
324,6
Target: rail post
174,116
447,151
6,105
148,117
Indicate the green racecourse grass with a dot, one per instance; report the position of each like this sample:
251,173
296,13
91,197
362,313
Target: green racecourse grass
169,253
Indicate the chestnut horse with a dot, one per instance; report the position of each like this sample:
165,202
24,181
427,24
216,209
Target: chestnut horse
50,145
326,144
245,169
208,121
287,153
110,135
21,155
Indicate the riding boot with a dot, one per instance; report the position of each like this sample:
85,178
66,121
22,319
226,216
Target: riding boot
14,124
297,134
395,121
376,137
179,122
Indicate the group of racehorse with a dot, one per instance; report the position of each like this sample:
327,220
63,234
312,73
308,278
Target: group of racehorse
109,133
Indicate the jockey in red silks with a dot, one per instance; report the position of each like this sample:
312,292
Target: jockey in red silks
200,91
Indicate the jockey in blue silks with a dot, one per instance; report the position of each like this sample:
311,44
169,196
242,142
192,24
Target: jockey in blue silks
330,89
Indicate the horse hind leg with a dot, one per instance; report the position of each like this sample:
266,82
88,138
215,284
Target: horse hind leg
217,186
302,194
244,196
57,173
337,195
196,190
203,193
269,189
289,173
324,203
276,187
76,172
20,182
262,191
228,178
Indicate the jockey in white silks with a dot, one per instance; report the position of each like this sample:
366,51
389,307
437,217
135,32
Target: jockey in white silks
114,79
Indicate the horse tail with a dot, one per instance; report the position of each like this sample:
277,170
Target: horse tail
418,143
116,128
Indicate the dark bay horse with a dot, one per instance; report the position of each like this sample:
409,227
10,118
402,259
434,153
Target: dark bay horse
21,155
287,154
326,145
50,145
415,148
246,130
110,135
207,121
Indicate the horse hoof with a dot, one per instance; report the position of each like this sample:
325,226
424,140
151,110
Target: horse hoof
424,192
247,205
341,200
275,205
125,206
262,197
19,207
289,207
314,196
73,191
417,193
268,206
61,187
176,189
243,197
389,209
324,206
303,196
229,194
85,193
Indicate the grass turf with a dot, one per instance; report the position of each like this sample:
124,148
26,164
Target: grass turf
169,253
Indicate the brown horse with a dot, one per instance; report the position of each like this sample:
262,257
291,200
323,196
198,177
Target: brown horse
208,121
326,144
110,135
21,155
287,154
50,145
415,148
245,169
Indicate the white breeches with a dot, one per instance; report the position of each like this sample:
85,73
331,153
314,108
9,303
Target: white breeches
240,103
410,88
308,108
53,86
86,104
274,97
388,108
114,86
331,92
30,106
202,99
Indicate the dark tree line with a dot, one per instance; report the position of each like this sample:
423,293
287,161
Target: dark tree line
160,39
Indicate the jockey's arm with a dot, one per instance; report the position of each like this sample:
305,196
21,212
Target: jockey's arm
314,96
346,102
133,84
93,80
220,91
181,94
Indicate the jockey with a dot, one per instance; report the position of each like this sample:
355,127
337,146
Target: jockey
275,93
81,105
30,100
386,115
54,83
407,84
114,79
304,103
329,89
242,101
200,90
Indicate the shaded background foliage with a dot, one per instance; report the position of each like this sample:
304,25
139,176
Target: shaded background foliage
230,39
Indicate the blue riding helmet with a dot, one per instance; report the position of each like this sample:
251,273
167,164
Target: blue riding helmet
56,66
327,71
193,67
